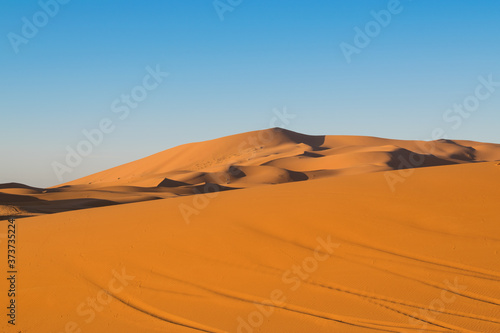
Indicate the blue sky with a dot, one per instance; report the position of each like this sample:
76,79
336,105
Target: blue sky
226,76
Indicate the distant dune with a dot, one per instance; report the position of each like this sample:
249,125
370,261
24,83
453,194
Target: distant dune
272,156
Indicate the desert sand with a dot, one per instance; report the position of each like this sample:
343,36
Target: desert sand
267,231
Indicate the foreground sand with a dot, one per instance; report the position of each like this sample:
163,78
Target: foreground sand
336,254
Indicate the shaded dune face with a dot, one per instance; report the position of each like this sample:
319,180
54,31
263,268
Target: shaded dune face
272,156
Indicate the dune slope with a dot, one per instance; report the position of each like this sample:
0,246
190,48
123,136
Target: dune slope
337,254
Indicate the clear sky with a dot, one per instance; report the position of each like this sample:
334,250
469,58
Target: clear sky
65,66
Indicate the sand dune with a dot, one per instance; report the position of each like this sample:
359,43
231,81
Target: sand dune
336,254
194,163
272,156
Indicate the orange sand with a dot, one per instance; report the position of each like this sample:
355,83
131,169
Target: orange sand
344,252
